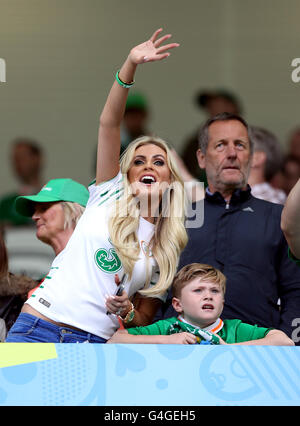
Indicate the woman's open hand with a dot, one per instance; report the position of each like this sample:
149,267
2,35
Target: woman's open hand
152,49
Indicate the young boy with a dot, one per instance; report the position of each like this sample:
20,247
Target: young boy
198,297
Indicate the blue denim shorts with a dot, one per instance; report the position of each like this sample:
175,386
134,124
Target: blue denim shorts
31,329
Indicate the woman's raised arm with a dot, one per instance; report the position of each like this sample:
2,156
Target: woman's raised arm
113,112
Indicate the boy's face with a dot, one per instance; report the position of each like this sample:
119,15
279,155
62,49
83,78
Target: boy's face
200,303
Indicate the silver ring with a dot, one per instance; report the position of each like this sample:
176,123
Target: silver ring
118,312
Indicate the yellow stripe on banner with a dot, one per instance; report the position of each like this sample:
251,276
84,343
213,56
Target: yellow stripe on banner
24,353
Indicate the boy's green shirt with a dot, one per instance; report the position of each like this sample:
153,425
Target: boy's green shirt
233,331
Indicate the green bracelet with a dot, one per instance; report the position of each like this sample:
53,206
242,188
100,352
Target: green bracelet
121,83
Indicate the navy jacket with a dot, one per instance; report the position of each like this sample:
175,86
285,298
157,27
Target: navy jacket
244,240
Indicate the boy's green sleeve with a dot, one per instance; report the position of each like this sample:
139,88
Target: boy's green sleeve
246,332
158,328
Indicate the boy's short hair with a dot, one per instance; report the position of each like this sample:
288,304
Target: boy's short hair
195,270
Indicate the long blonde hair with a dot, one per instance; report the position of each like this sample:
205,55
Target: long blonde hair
169,237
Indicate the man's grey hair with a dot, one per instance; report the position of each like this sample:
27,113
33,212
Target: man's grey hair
267,142
203,136
73,212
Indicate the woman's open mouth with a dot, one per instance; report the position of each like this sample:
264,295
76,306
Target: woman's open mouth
148,179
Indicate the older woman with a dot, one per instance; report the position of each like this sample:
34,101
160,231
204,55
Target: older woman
56,210
133,226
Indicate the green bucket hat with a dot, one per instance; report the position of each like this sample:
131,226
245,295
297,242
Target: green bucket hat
54,190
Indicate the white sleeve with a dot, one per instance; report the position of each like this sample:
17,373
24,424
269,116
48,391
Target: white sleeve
110,190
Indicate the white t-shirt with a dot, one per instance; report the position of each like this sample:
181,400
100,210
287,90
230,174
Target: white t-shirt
82,275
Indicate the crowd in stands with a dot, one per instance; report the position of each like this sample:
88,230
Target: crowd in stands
127,268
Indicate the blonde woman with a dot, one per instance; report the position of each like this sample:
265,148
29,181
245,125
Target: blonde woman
131,231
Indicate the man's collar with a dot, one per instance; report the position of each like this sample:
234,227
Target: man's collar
238,196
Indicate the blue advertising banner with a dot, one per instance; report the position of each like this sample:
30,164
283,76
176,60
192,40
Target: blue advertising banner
153,375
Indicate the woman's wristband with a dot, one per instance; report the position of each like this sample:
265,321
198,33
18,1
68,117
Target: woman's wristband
122,83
